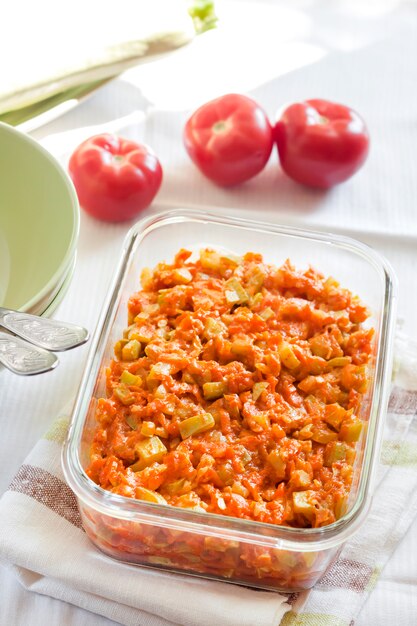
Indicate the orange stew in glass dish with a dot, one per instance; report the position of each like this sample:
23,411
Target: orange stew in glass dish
236,390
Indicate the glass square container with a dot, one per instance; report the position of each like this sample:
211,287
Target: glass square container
204,544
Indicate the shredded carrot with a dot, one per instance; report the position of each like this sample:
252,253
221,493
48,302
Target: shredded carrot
236,389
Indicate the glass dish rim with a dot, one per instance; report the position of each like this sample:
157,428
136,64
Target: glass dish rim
109,504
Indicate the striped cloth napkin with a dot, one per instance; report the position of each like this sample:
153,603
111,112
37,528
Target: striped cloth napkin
42,541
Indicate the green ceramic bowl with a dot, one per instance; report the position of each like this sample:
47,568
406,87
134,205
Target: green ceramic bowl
39,223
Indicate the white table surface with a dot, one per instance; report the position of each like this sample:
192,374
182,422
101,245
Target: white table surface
360,53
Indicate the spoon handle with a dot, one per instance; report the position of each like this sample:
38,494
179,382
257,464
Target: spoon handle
21,357
43,332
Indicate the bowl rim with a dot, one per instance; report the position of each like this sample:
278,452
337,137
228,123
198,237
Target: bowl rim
72,246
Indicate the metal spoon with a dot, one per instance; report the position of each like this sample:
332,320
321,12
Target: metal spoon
23,358
43,332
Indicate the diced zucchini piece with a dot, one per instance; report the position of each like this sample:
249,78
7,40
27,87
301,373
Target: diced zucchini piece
339,361
262,367
258,389
275,459
322,434
306,432
287,356
262,420
235,293
350,430
267,313
159,371
160,392
163,332
241,347
212,391
147,429
334,414
300,478
335,451
340,507
142,316
182,276
210,260
123,394
354,377
175,487
255,300
149,451
238,488
149,496
256,280
144,334
320,346
226,474
196,424
314,404
213,328
188,378
330,282
303,503
148,309
146,277
245,458
131,350
221,503
131,421
128,330
130,379
118,348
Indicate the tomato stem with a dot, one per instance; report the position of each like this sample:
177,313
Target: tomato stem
219,127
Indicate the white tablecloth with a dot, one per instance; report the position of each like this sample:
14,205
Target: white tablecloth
363,53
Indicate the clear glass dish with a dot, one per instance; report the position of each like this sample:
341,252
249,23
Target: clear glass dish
204,544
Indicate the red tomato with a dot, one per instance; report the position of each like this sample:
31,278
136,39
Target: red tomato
321,143
115,178
229,139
